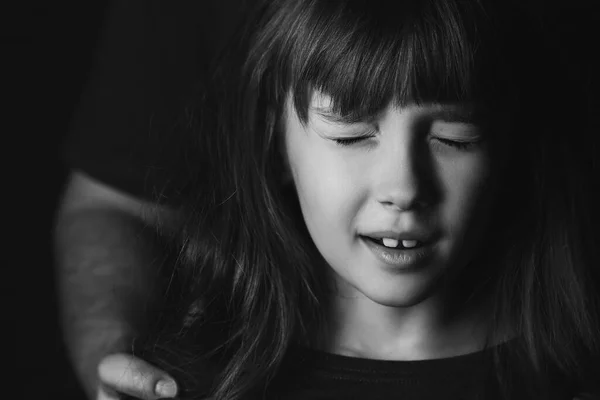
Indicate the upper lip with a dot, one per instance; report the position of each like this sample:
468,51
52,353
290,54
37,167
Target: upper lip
420,235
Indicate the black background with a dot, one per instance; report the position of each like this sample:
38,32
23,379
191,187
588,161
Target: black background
48,52
48,48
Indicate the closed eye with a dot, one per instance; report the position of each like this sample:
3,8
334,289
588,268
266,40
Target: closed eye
458,144
350,141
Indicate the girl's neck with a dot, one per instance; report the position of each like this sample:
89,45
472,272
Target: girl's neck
360,327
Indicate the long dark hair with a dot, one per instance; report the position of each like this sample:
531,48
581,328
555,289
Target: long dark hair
244,285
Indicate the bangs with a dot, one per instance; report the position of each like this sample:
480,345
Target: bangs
366,54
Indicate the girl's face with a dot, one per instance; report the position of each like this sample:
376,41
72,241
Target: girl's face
414,177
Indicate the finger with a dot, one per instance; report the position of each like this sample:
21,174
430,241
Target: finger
134,377
102,394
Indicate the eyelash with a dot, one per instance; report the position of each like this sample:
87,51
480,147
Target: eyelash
451,143
350,141
458,144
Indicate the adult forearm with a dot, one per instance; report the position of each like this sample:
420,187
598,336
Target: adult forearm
107,267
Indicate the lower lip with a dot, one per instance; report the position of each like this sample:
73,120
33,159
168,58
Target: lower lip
401,258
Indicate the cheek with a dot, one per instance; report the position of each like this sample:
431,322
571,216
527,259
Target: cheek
467,188
328,190
322,186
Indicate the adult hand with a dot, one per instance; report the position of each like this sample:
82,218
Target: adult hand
125,374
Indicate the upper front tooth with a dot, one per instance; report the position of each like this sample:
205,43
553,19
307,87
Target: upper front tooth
387,242
409,243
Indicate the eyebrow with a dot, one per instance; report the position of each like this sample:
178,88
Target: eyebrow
460,114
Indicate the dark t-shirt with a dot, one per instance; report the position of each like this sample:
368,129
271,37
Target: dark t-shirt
310,375
150,56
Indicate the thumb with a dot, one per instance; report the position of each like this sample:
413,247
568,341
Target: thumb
132,376
105,393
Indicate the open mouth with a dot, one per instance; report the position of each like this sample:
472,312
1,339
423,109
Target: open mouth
396,244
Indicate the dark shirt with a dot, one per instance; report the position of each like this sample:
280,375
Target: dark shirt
311,375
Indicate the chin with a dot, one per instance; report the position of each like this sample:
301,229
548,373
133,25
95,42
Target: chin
404,299
406,291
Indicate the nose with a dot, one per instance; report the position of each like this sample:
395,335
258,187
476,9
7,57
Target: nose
402,178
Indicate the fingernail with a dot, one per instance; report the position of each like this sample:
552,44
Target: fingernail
166,388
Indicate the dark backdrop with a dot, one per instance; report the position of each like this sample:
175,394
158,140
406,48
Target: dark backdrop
48,47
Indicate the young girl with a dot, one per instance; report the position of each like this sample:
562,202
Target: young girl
393,209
